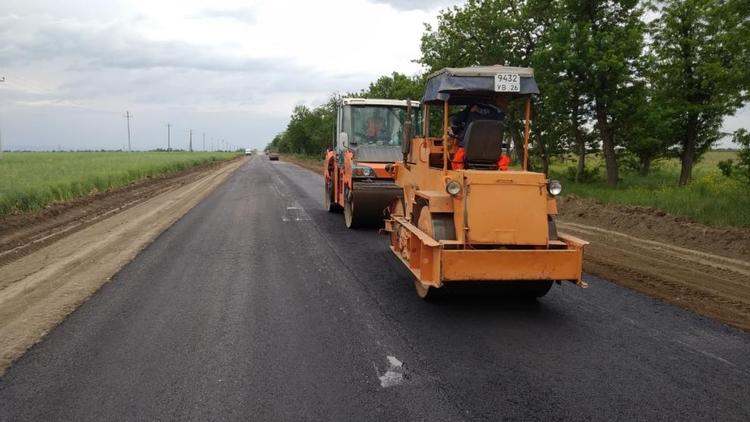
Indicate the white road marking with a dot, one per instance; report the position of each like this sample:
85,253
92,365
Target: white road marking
295,213
292,209
394,375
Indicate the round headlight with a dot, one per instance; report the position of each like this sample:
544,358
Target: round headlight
554,187
453,188
362,171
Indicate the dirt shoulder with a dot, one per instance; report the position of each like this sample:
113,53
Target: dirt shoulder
653,224
74,256
310,164
701,268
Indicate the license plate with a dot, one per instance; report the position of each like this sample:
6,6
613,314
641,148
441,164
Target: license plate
507,82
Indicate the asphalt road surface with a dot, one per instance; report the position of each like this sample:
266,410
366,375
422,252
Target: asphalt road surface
259,305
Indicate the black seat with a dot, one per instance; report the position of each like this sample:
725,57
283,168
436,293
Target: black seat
483,144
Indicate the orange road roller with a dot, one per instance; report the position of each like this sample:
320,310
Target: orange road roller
368,138
463,215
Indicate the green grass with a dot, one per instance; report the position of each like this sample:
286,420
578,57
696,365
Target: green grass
33,180
711,198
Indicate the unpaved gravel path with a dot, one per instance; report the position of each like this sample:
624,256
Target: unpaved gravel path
704,269
708,284
46,281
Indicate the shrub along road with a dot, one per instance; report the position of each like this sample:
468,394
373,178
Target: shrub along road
260,305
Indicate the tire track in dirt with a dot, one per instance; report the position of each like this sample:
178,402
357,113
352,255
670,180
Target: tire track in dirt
704,258
709,284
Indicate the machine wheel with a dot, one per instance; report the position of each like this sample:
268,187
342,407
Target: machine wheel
397,208
328,202
552,228
350,218
425,292
427,224
533,289
439,226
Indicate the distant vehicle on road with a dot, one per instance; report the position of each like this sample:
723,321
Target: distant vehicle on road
273,156
248,151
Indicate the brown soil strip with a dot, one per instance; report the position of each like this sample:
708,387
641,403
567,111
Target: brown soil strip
653,224
704,269
312,165
40,288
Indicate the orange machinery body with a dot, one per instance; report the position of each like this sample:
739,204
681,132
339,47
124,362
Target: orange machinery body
367,141
497,228
342,180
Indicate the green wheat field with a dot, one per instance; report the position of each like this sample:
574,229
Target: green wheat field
33,180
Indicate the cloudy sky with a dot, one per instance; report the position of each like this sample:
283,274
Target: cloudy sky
230,69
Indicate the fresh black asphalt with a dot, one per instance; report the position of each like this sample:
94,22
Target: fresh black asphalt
260,305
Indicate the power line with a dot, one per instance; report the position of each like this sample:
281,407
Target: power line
169,126
128,116
191,140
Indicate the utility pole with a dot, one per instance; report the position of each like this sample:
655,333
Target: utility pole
168,136
191,141
204,141
128,116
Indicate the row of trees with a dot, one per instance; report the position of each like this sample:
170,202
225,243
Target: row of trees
311,131
636,88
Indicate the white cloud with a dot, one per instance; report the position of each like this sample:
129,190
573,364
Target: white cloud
416,4
740,120
168,59
232,68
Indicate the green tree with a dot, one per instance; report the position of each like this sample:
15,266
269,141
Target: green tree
395,86
277,144
487,32
701,72
309,131
561,73
643,128
608,44
742,137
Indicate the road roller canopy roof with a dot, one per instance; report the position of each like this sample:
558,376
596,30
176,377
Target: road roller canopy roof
377,102
478,84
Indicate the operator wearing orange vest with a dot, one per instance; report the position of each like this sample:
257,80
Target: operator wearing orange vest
460,121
